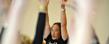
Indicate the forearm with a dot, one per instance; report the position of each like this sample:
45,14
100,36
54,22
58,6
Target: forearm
44,8
63,15
64,33
63,23
47,27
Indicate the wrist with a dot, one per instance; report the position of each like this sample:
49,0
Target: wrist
63,8
43,8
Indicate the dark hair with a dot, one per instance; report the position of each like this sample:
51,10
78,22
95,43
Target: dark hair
57,23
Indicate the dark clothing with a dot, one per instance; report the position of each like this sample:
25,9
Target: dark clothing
40,28
49,40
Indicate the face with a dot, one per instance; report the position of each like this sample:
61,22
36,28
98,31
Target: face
55,32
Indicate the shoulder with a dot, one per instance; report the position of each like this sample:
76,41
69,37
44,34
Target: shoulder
64,41
48,38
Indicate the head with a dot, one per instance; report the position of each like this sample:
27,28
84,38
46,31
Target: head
56,31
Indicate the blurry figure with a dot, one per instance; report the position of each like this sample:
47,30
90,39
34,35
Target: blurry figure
81,20
57,34
11,32
4,8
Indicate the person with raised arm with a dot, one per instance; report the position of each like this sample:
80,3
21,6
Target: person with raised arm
57,34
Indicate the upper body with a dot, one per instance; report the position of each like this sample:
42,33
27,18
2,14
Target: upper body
57,34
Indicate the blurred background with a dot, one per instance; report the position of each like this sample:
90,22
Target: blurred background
29,15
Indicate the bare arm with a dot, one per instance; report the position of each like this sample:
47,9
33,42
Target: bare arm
47,26
63,23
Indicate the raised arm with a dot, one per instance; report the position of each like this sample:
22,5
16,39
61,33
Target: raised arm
47,26
63,22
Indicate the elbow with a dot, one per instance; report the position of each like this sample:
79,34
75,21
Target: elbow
65,37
